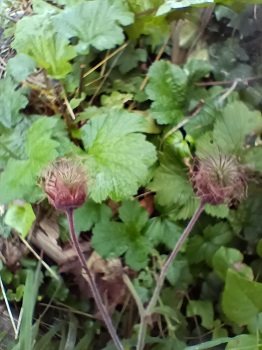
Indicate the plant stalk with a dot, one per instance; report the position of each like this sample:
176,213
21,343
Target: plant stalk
150,308
92,283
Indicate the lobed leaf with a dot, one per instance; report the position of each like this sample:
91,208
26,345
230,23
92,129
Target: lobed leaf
11,102
124,237
94,23
236,122
118,158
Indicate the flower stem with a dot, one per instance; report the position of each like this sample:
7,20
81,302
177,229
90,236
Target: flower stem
150,308
92,283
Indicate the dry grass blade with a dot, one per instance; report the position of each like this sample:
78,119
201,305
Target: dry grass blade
8,308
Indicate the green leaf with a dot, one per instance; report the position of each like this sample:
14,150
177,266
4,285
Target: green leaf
20,67
241,299
161,230
39,134
252,157
115,100
209,344
20,218
156,28
89,214
12,141
246,219
41,7
178,274
218,211
173,5
172,186
118,157
133,215
196,70
202,248
237,121
130,58
244,341
259,248
26,336
225,258
204,309
37,38
167,87
170,344
94,23
11,102
204,120
44,142
124,238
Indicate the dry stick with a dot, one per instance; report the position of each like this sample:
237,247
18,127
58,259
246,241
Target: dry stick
185,121
228,82
8,308
161,279
105,59
92,283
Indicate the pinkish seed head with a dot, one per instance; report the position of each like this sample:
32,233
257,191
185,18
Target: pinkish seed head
219,179
64,182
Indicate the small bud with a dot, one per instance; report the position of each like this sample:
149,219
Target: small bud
219,179
65,184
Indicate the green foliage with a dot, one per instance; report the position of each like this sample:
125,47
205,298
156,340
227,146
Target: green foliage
172,170
204,309
37,38
118,157
124,237
161,230
169,86
136,120
20,67
156,28
20,217
241,299
25,340
244,341
11,102
226,258
174,5
203,247
94,23
236,122
89,214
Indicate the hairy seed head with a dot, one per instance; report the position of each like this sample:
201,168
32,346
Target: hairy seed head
219,179
65,184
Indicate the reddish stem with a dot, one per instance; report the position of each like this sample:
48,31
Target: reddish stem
92,283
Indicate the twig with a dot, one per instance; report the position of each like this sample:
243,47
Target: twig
39,258
185,121
105,59
69,108
105,76
8,307
228,82
175,128
150,308
132,290
228,92
92,284
82,72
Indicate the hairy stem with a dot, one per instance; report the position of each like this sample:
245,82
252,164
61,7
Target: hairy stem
150,308
92,283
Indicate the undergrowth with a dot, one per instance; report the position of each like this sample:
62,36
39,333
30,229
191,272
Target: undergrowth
159,105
